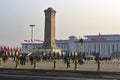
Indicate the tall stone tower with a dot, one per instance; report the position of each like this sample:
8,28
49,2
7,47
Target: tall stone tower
49,44
49,36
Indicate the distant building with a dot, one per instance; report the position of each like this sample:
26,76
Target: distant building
104,45
70,45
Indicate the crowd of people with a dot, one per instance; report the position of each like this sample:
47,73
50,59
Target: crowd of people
66,59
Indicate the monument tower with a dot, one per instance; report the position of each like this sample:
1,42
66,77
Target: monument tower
49,44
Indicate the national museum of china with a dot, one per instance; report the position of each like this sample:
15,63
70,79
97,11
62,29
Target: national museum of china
105,45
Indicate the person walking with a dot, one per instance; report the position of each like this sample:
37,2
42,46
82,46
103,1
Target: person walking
68,62
31,60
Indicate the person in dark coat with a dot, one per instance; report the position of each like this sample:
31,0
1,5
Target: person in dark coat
31,59
68,62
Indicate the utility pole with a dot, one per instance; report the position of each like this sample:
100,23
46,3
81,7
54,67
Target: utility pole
32,26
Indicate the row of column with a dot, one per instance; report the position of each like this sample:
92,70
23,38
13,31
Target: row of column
103,48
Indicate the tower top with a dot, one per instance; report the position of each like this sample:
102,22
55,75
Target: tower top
49,9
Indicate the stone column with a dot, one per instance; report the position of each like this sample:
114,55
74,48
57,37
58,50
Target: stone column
49,44
49,38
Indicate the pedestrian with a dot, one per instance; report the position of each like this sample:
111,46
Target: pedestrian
68,62
31,60
24,60
83,61
21,60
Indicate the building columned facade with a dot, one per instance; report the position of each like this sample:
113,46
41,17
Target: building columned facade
104,45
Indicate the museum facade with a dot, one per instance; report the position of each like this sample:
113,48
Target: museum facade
104,45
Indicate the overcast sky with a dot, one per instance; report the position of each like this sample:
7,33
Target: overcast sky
73,17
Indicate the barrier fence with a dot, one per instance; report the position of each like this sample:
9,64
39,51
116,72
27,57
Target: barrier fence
61,65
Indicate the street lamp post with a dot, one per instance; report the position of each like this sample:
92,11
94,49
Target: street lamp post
81,46
32,26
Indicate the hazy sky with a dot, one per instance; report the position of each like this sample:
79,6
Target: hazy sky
73,17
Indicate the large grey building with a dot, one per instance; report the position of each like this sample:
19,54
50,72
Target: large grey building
105,45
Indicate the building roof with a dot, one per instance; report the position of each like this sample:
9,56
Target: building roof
106,35
109,37
61,41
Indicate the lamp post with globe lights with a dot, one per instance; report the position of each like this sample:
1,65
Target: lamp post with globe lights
81,46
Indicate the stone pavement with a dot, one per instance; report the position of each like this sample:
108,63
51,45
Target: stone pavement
60,65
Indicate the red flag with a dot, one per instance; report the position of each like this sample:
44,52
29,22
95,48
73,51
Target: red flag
20,50
16,49
11,48
1,48
8,48
5,48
